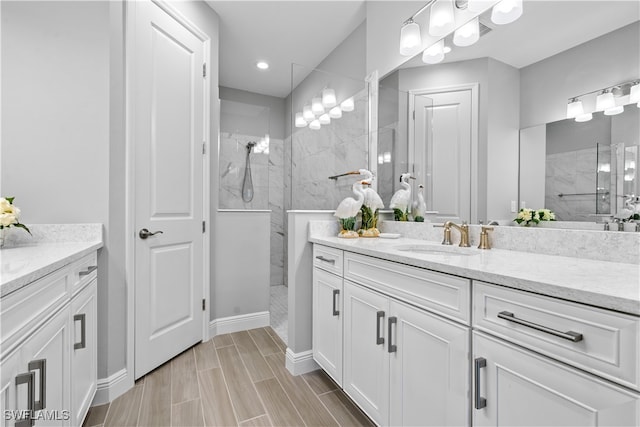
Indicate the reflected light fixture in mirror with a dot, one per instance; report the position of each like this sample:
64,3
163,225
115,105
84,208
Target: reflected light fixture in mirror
434,54
315,124
441,20
468,34
316,106
574,108
300,121
634,93
329,98
324,119
347,105
605,100
335,113
410,38
506,11
307,113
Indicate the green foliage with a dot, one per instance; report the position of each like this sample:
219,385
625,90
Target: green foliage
369,218
399,215
419,219
348,223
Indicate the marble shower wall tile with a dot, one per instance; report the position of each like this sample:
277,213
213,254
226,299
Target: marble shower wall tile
276,204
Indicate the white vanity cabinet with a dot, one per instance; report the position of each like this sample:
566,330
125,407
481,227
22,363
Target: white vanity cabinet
42,367
327,311
536,382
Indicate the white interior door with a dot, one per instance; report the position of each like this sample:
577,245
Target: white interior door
167,87
443,140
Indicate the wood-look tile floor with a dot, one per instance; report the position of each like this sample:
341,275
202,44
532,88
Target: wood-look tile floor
235,379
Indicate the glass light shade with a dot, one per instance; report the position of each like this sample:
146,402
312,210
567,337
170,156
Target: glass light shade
441,21
468,34
347,105
386,156
584,117
574,109
434,54
380,159
300,121
605,100
307,113
478,5
506,12
614,110
335,113
329,98
410,39
316,106
634,94
315,124
324,119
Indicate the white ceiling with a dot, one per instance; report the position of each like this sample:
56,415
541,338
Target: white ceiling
306,31
280,32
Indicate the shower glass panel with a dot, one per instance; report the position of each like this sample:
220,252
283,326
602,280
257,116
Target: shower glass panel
244,156
605,185
333,139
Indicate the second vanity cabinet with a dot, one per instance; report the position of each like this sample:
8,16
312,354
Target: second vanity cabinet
419,347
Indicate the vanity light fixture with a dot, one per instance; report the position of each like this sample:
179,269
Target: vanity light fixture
410,38
307,113
335,112
612,111
446,49
584,117
329,98
300,121
315,124
605,100
434,54
324,119
634,93
347,105
441,19
506,11
574,108
316,106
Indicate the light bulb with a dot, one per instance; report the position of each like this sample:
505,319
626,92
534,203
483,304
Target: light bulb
410,38
386,156
468,34
584,117
300,121
506,12
574,108
315,125
605,100
324,119
335,113
307,113
380,159
634,94
441,21
347,105
612,111
316,106
434,54
329,98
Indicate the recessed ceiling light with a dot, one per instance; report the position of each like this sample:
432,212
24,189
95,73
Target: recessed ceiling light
262,65
446,49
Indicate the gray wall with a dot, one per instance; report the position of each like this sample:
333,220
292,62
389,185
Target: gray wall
599,63
63,132
276,110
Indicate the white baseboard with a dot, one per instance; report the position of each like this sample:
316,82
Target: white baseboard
227,325
110,388
300,363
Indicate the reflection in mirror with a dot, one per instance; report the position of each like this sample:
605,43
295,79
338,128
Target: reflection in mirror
589,168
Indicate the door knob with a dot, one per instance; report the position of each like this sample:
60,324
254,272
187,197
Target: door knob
144,233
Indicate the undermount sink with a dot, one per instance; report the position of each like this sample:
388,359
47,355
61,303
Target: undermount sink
437,250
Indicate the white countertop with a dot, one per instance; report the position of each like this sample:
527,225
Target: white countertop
21,265
610,285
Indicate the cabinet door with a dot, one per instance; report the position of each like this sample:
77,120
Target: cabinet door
83,348
15,381
366,361
429,369
46,354
523,388
327,322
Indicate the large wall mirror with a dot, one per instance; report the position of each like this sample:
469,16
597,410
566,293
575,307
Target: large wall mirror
524,73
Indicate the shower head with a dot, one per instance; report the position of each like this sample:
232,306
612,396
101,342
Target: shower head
250,145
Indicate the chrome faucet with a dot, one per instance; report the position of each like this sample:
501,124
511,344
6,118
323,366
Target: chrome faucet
464,233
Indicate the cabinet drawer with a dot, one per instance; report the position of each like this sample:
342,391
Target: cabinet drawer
329,259
608,342
440,293
22,311
83,271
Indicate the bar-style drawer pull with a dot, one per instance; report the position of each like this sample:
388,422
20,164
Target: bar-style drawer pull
29,379
480,402
392,348
336,292
569,335
379,339
83,342
330,261
40,365
88,271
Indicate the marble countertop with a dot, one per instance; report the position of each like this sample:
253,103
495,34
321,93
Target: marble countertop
609,285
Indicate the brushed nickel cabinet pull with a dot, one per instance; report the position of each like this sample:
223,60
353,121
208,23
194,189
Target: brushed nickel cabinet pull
27,378
82,319
88,271
330,261
379,339
569,335
336,292
40,365
480,402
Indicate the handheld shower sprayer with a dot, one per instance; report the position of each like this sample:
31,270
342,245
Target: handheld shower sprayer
247,183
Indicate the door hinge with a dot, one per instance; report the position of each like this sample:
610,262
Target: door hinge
414,114
204,70
204,304
204,228
204,148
